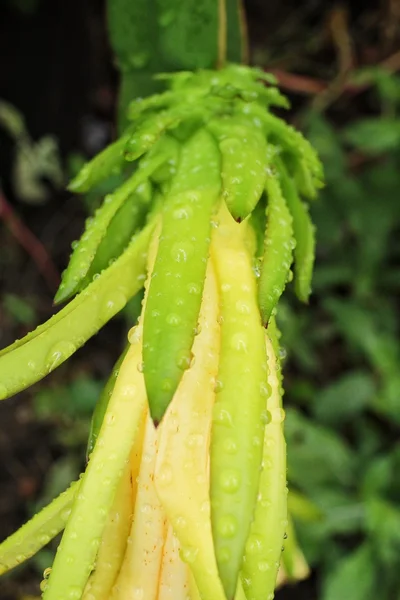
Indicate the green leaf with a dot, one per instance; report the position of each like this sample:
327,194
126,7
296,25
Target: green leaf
316,456
19,309
73,400
354,578
383,522
344,398
375,135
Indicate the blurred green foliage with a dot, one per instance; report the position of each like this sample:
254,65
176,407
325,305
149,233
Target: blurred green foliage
343,357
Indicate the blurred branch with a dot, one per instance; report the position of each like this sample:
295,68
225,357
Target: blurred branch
310,86
30,243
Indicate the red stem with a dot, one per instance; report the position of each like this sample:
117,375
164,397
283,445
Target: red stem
30,243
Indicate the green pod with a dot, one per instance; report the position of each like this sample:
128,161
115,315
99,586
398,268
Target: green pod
278,250
168,168
105,164
304,234
264,544
102,404
127,220
152,103
244,165
96,227
238,424
37,532
290,140
36,355
149,132
258,221
177,281
238,82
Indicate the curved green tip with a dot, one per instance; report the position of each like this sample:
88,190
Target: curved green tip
63,293
77,184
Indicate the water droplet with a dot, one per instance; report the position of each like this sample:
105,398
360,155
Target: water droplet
246,582
183,362
230,480
265,503
218,386
282,353
166,385
110,419
137,593
243,307
265,417
44,539
227,526
254,545
140,367
173,319
265,390
165,474
184,212
181,522
74,593
239,342
65,514
257,441
113,303
60,352
46,573
230,446
181,251
133,335
263,566
223,416
277,415
193,288
189,554
146,509
129,391
284,523
195,440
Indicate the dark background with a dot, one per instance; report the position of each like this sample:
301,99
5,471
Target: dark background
343,388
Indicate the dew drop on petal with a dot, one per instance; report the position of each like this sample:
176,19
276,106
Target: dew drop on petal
230,480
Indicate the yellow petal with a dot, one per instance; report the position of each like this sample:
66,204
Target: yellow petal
174,578
182,470
139,575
